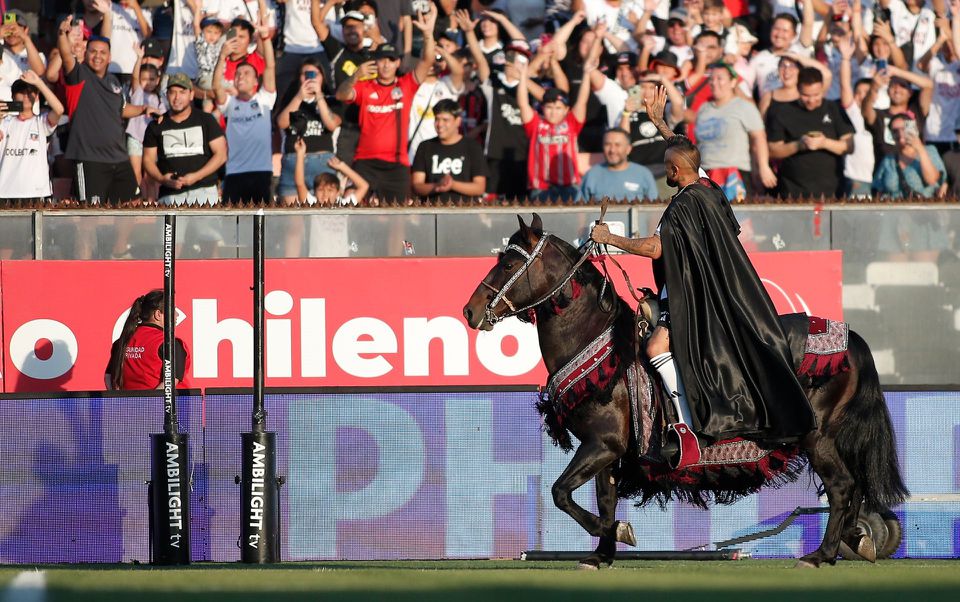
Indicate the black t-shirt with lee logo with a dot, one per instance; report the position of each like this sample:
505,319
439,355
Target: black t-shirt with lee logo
183,147
463,160
790,122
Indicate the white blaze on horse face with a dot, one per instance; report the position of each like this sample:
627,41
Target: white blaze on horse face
491,354
317,507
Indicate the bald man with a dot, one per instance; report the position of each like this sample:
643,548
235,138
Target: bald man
717,322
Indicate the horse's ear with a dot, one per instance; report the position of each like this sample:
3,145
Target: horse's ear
537,223
523,225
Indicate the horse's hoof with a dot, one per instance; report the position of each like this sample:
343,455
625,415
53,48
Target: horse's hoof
587,566
625,533
805,564
867,549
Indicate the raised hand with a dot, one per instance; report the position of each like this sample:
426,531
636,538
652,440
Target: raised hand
336,163
31,78
655,107
426,22
366,70
102,6
846,46
300,147
463,19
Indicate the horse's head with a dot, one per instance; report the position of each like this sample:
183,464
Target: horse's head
522,275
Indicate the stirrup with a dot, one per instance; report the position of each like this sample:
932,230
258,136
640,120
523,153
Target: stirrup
687,446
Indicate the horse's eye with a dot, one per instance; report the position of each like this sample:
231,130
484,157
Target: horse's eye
508,267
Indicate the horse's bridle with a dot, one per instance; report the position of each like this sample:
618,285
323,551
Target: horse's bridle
501,294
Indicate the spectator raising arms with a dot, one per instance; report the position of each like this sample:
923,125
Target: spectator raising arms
23,140
449,166
385,103
247,110
552,171
326,186
97,138
184,149
915,170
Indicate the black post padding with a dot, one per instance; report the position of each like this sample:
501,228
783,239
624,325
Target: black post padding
534,555
259,417
169,499
260,499
169,324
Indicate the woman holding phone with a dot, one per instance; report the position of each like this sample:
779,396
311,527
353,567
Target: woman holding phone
306,115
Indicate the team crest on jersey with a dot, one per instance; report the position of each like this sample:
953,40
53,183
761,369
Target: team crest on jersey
255,106
116,89
34,136
396,93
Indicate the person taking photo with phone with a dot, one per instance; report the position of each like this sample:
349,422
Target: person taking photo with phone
24,173
310,116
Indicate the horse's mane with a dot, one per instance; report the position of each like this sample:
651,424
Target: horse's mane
624,332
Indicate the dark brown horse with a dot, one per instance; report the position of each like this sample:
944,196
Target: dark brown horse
852,450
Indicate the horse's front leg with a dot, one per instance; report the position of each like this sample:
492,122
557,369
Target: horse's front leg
607,506
593,459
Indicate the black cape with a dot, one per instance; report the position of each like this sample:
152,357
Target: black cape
725,335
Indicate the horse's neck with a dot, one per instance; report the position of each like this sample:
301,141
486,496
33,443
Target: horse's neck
563,335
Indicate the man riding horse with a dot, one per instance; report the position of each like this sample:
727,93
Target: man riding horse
717,323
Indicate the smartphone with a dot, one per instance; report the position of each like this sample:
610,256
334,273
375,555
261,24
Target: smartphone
231,33
9,18
310,75
883,15
910,128
881,65
13,106
635,92
521,59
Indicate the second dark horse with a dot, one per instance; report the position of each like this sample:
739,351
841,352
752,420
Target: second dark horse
852,448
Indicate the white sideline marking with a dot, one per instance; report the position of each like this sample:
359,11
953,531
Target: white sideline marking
27,586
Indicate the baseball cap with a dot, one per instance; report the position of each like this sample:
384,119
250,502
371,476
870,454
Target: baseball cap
179,79
666,58
677,14
387,51
153,47
353,15
727,66
626,58
208,21
554,95
742,35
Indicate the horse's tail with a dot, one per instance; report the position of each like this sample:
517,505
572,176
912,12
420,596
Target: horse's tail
865,437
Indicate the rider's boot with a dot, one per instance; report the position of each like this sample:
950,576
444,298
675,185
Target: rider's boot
688,447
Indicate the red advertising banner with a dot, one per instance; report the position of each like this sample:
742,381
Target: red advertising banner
329,322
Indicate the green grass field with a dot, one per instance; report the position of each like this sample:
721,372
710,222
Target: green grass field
502,581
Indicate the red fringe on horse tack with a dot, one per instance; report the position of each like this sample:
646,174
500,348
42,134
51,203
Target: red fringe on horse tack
777,467
815,365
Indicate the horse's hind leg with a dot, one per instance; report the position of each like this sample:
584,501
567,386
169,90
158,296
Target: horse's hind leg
607,507
840,489
861,543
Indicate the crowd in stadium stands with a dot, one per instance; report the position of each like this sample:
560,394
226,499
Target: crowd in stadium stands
362,101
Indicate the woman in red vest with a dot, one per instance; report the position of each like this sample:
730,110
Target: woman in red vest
136,358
